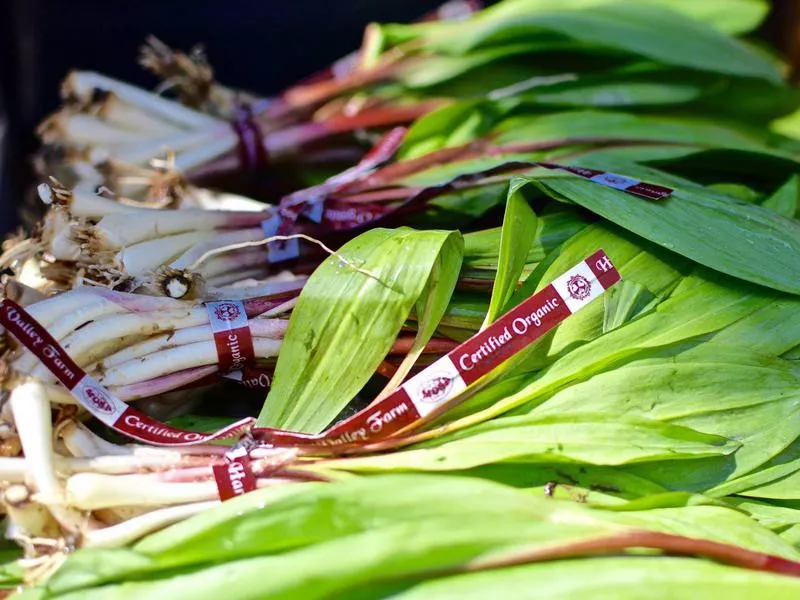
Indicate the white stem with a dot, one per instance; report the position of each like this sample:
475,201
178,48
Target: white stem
224,141
31,409
213,200
137,527
13,470
86,204
85,130
83,84
128,463
81,442
91,491
259,327
27,520
103,336
142,153
47,311
256,289
119,231
172,360
138,259
220,282
91,310
125,114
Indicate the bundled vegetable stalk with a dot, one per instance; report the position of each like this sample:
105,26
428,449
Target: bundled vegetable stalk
612,369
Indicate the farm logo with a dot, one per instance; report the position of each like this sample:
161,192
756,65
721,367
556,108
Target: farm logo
612,179
579,287
435,388
227,311
99,400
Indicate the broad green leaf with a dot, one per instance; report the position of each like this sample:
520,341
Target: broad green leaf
735,238
407,522
734,393
729,16
645,30
588,484
588,438
346,320
638,263
786,200
772,516
699,306
772,330
431,306
517,236
406,549
585,125
631,578
449,126
481,248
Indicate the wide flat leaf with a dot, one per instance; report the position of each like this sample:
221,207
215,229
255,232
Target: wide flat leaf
631,578
482,248
730,16
516,237
588,438
729,392
346,321
578,125
699,306
786,200
735,238
645,30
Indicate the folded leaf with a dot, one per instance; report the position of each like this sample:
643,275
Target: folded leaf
346,320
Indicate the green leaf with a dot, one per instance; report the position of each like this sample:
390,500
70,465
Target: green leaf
631,578
517,235
482,248
699,306
627,27
735,238
734,393
579,125
588,438
786,200
730,16
624,302
346,321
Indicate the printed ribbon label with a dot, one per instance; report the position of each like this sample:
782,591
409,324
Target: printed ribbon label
431,390
279,250
235,477
649,191
231,335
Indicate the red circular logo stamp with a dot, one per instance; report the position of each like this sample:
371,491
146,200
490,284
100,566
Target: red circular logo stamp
579,287
99,400
227,311
435,388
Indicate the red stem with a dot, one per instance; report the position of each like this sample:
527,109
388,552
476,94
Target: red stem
666,542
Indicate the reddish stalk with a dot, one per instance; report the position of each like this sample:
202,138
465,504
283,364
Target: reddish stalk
666,542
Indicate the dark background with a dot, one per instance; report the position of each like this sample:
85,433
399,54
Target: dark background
260,45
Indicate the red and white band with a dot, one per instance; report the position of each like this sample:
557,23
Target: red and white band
650,191
433,389
232,336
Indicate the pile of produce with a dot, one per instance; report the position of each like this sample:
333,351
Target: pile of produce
521,287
